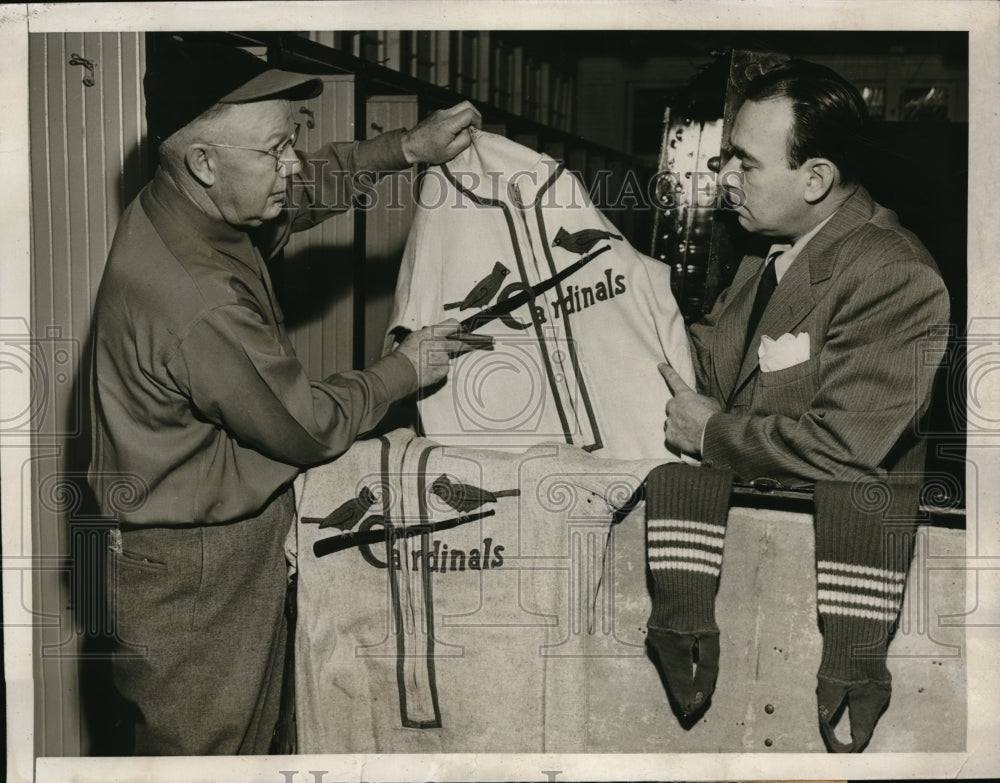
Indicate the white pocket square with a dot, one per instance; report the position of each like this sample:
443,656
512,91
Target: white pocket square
787,351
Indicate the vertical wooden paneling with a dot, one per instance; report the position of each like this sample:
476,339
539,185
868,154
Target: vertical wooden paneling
133,121
529,140
95,163
544,93
325,37
111,112
423,56
484,57
54,308
42,238
556,150
86,163
387,225
443,66
72,319
43,242
517,80
56,59
390,52
318,281
576,160
75,188
336,238
598,178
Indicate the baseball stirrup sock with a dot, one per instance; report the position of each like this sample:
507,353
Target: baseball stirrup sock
864,542
686,510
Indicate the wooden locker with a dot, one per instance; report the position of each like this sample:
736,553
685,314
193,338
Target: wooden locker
316,278
499,128
577,161
484,73
516,104
387,225
467,64
555,150
392,51
529,140
544,96
422,55
443,65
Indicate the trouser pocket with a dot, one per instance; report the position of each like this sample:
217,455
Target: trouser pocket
243,571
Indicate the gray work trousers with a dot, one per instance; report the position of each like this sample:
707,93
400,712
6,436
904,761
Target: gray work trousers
200,624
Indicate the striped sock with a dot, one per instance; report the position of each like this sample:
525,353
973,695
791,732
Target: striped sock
864,541
686,510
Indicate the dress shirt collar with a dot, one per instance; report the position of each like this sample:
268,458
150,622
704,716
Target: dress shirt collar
790,252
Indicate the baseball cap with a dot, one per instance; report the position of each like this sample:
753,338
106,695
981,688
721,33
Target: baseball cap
185,78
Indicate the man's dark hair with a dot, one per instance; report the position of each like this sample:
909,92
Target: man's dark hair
830,116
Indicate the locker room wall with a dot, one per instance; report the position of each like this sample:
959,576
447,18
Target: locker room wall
336,301
387,225
88,160
317,277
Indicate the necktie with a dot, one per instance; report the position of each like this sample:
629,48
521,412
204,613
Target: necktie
768,282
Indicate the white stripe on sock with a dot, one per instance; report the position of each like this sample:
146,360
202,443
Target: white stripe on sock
854,598
687,524
689,538
831,565
885,588
681,565
681,552
850,611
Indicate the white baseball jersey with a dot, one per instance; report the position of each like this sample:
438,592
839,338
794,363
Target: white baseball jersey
579,364
456,591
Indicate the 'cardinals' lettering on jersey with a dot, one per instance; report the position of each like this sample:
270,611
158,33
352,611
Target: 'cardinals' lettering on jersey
578,364
470,570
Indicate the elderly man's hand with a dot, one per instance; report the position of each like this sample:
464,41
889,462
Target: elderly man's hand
431,349
442,135
687,413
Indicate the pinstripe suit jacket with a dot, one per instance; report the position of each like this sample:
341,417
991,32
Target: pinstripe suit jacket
868,294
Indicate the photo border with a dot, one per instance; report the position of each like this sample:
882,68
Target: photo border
980,19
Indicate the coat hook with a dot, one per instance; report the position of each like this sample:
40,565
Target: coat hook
311,122
378,128
76,59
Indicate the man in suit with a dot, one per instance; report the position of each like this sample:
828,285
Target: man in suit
814,363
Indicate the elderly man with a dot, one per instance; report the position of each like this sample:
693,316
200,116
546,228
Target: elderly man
199,400
825,378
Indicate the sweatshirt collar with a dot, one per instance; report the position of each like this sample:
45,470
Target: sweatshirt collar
181,223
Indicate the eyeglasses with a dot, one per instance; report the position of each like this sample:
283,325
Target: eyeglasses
276,152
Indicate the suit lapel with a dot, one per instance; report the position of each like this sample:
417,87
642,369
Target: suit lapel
796,295
791,302
727,353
